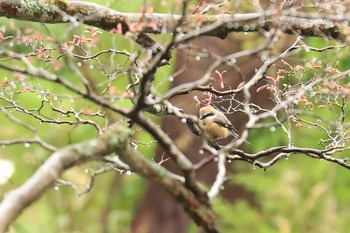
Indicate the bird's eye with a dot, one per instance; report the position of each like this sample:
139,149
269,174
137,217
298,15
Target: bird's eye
206,115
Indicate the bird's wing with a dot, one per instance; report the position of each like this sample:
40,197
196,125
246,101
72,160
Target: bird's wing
227,124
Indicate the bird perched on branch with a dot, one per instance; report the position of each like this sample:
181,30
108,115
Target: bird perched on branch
215,125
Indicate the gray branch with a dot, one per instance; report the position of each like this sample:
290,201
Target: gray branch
219,25
17,200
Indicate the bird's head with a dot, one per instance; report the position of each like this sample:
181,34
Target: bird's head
207,112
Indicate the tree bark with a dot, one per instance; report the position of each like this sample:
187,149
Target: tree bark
157,212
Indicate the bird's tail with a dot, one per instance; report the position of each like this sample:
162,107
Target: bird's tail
236,135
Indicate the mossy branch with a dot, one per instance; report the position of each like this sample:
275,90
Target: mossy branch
219,25
14,202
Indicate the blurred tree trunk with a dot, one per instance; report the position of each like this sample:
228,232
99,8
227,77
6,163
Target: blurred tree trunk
157,212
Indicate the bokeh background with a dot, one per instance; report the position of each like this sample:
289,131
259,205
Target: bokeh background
299,194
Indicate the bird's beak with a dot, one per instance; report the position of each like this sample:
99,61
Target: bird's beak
201,117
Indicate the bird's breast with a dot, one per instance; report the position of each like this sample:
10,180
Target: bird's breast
216,131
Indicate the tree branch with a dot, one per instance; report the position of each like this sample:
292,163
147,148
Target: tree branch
114,141
212,25
199,210
17,200
283,151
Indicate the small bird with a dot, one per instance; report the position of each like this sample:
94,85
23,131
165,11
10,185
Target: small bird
215,124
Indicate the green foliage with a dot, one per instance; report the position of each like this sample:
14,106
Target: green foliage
114,197
298,194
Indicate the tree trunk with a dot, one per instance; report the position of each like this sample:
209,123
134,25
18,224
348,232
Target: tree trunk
157,212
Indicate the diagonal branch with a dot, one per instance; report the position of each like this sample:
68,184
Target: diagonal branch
198,209
17,200
114,141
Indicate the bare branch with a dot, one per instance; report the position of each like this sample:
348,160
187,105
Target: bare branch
283,151
198,208
17,200
222,24
220,177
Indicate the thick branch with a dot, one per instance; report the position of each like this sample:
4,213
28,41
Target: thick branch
181,160
114,141
199,210
213,25
17,200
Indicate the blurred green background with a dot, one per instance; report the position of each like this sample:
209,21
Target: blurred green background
298,194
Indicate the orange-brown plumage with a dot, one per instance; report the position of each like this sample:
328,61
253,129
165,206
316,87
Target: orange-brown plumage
215,124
